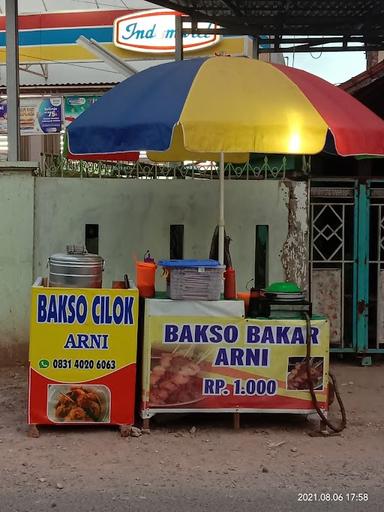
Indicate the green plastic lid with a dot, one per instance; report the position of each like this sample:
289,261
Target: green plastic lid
283,287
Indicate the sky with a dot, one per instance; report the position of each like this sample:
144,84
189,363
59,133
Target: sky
336,67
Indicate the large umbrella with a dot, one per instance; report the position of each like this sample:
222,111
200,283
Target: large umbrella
223,106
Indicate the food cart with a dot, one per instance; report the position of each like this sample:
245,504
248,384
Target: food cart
200,353
82,356
206,356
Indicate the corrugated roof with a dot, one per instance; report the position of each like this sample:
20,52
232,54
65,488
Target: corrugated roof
346,21
75,73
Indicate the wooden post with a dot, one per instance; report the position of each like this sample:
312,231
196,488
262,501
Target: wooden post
33,431
179,38
125,430
236,420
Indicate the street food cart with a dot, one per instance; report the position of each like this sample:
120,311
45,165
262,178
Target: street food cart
188,364
82,356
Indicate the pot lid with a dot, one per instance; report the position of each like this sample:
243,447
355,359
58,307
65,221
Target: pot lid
76,254
75,257
283,287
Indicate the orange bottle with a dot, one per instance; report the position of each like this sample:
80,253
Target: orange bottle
230,283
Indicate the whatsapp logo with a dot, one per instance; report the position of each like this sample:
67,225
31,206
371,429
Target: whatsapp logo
43,363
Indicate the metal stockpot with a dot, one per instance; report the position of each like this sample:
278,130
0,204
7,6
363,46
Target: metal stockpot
76,269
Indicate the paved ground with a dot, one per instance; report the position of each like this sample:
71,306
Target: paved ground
265,466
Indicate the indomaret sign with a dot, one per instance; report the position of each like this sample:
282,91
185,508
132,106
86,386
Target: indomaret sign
153,31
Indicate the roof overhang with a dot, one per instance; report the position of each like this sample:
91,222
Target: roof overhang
368,88
300,26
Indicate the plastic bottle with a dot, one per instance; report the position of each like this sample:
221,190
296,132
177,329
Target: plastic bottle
230,283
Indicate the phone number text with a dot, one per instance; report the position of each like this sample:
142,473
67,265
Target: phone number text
84,364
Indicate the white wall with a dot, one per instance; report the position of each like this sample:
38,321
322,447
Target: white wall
16,256
40,216
135,215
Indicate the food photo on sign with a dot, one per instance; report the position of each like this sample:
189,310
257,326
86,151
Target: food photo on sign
76,402
176,378
297,377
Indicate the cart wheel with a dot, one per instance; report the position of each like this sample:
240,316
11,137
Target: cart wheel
33,431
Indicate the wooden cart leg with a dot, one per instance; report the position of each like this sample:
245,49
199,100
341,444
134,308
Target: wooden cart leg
146,423
236,420
125,430
33,431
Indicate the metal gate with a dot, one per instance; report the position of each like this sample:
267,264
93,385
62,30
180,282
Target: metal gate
374,270
347,262
333,257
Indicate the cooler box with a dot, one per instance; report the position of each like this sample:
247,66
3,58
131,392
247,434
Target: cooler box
194,279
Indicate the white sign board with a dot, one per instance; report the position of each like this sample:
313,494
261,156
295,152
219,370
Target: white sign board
154,31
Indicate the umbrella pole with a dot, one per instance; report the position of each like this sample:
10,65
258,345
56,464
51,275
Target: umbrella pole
221,210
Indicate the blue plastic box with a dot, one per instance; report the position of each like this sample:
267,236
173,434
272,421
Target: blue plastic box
194,279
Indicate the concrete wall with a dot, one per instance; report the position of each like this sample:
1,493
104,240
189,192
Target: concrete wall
40,216
16,256
135,215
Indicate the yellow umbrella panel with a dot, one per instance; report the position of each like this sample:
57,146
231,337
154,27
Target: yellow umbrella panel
178,153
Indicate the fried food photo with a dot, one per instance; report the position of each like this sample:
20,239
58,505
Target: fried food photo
298,376
80,404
